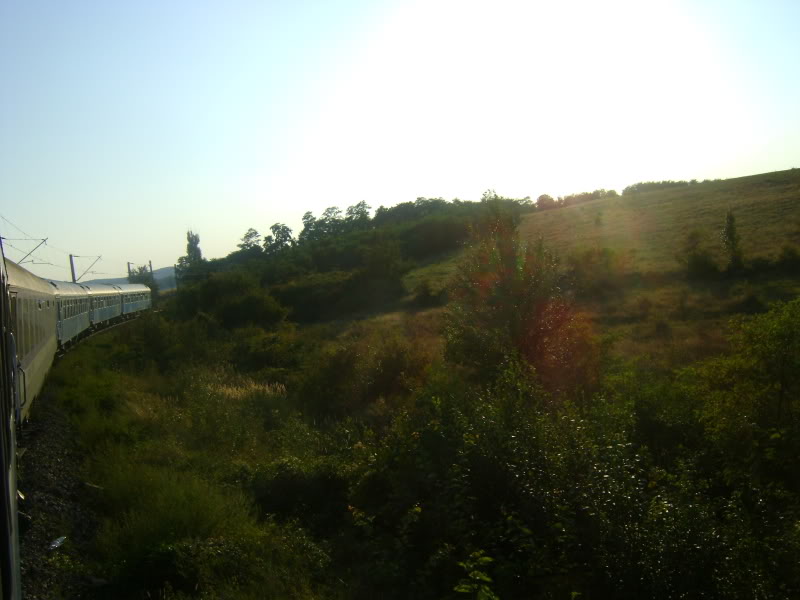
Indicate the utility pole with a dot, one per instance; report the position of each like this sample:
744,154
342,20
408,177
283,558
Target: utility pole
151,266
72,268
129,270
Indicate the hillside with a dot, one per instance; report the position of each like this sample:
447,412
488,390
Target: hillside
310,418
646,228
165,278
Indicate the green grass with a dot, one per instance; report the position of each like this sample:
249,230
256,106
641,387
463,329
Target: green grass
170,464
217,482
646,229
437,273
648,306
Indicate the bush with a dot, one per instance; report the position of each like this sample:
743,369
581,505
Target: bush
425,296
234,298
254,307
751,407
315,493
789,259
595,271
506,302
696,258
350,377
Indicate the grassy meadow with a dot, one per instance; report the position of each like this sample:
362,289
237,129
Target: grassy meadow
646,229
367,414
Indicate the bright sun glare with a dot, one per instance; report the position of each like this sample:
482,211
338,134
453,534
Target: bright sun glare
524,97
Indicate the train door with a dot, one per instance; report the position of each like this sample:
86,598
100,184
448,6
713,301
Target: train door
59,319
19,340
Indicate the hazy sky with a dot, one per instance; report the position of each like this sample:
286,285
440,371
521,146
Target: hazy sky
123,124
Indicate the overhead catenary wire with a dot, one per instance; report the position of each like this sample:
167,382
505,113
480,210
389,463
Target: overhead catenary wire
30,237
21,251
90,266
36,259
15,227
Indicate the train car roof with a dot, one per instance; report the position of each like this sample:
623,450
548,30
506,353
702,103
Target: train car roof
100,289
65,288
133,287
22,278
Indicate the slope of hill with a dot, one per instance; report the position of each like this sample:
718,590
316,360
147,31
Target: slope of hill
295,421
165,278
647,228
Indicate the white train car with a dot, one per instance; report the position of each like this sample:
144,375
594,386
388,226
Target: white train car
10,581
34,318
38,317
73,311
105,301
135,298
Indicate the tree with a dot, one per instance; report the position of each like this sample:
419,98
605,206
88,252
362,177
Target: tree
189,265
489,195
545,202
310,230
142,274
357,216
696,258
730,239
280,239
193,253
507,305
250,240
330,223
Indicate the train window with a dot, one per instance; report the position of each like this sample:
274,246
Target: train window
26,326
14,313
37,324
23,324
18,325
29,319
31,316
32,323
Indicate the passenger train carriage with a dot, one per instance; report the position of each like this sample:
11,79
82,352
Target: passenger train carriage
39,318
72,304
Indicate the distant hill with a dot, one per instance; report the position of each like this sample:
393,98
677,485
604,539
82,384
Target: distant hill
165,278
646,228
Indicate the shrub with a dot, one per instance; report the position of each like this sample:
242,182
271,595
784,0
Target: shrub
507,302
425,296
696,258
789,259
751,410
594,271
315,493
254,307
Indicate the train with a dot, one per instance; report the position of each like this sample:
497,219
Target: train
40,319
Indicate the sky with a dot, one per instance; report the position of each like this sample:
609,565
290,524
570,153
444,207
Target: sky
124,124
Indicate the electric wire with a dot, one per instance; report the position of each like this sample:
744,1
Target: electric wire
42,261
15,227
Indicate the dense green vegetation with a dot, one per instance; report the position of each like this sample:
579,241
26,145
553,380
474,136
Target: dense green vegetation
430,404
